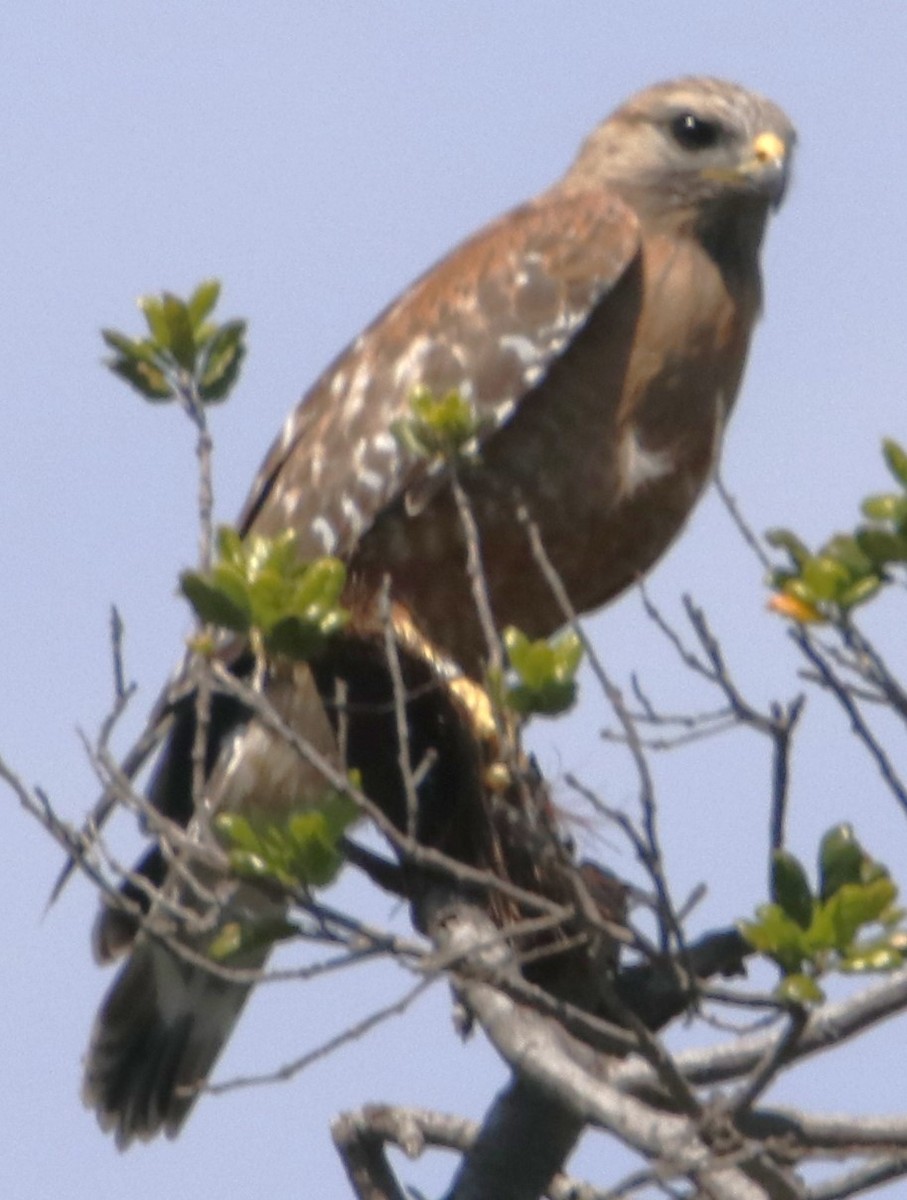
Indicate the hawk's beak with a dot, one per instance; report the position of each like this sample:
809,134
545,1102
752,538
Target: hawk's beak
766,169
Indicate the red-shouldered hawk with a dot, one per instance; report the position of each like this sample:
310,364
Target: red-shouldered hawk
600,332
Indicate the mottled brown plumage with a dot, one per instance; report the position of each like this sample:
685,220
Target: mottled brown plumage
600,331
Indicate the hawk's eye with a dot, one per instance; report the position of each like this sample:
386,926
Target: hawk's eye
693,133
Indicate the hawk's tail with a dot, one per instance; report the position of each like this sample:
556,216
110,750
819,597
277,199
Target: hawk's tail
157,1036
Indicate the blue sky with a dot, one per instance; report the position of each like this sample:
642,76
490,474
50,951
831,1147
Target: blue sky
315,157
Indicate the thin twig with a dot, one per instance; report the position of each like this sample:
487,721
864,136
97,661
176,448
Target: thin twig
392,655
190,400
768,1069
878,673
351,1034
830,680
778,724
477,577
121,691
743,527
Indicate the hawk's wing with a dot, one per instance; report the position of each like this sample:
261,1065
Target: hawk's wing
487,321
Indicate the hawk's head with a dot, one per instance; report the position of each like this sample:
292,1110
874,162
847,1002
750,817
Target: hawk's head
696,152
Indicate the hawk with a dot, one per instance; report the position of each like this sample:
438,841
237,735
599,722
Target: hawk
600,333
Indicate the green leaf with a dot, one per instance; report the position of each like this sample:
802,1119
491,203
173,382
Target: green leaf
299,610
201,303
896,458
180,337
148,381
545,671
799,989
800,590
184,346
140,349
888,507
846,550
222,358
152,308
547,700
882,546
259,583
825,577
856,904
790,888
568,651
214,603
340,810
857,894
840,859
227,942
316,859
171,329
443,426
295,638
253,866
268,596
278,554
236,938
303,850
533,661
124,345
775,934
322,584
877,956
823,935
237,831
515,643
784,539
230,545
316,834
860,592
